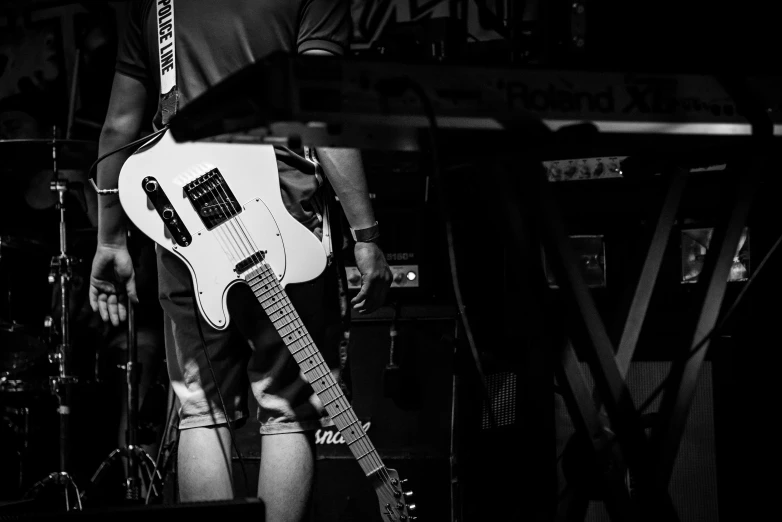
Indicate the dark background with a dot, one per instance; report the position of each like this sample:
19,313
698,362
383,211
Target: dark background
513,471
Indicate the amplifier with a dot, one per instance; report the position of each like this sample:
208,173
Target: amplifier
399,189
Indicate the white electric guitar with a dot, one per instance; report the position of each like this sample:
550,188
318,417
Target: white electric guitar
217,206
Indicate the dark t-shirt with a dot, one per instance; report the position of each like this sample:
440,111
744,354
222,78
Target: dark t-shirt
217,38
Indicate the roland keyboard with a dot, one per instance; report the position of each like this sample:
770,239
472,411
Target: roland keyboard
363,103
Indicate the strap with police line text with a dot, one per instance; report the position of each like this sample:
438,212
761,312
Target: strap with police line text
169,95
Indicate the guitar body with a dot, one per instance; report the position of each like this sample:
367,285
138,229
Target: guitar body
250,172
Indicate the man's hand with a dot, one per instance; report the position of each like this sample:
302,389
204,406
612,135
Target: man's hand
112,281
375,277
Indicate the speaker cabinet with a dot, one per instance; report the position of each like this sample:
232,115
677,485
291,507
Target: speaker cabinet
406,411
693,485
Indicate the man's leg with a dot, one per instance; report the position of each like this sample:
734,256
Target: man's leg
286,475
204,460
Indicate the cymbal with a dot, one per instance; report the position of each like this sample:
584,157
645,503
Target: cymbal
48,142
21,243
37,152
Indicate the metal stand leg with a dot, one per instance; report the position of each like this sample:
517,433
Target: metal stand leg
625,445
136,458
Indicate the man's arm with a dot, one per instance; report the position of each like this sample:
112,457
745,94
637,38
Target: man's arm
112,278
123,123
345,171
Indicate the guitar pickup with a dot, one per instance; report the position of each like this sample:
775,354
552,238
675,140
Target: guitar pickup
250,262
166,211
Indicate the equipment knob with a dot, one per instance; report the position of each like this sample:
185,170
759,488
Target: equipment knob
354,278
168,212
151,186
399,278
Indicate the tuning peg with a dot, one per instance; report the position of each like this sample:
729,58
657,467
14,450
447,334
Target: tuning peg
408,494
411,507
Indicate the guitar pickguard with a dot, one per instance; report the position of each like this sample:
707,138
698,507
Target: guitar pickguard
219,238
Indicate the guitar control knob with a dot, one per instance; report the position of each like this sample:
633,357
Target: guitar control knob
168,212
151,185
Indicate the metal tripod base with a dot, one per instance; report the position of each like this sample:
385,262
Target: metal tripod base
59,478
137,459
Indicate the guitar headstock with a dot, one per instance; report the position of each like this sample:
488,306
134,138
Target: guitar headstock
395,502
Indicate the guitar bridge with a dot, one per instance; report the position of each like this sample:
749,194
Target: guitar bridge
212,199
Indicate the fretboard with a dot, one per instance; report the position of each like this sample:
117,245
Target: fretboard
286,320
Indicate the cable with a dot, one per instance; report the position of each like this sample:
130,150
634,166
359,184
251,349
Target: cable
720,325
127,146
217,385
197,318
396,86
169,416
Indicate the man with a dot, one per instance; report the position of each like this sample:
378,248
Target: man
213,40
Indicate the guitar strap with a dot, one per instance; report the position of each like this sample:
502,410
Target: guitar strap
169,99
169,94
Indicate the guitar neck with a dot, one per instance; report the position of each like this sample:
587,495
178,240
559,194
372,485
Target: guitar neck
286,320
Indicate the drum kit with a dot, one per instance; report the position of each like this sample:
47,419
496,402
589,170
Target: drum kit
36,343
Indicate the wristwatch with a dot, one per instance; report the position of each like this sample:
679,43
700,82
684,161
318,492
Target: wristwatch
366,235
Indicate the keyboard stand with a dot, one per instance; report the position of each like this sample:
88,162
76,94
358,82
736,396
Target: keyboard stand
621,443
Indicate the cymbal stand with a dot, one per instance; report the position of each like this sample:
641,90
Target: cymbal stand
137,458
61,385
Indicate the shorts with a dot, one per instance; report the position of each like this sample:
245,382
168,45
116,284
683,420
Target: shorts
247,353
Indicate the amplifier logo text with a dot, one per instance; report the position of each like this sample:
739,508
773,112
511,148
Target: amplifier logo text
330,436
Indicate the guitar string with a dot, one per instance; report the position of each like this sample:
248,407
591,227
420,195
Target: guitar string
253,251
253,254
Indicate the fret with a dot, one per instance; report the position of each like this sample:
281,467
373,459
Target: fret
276,306
319,386
301,342
303,356
285,325
353,422
290,337
301,350
327,372
366,454
333,383
334,416
314,358
260,278
331,398
270,300
276,309
327,404
362,436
